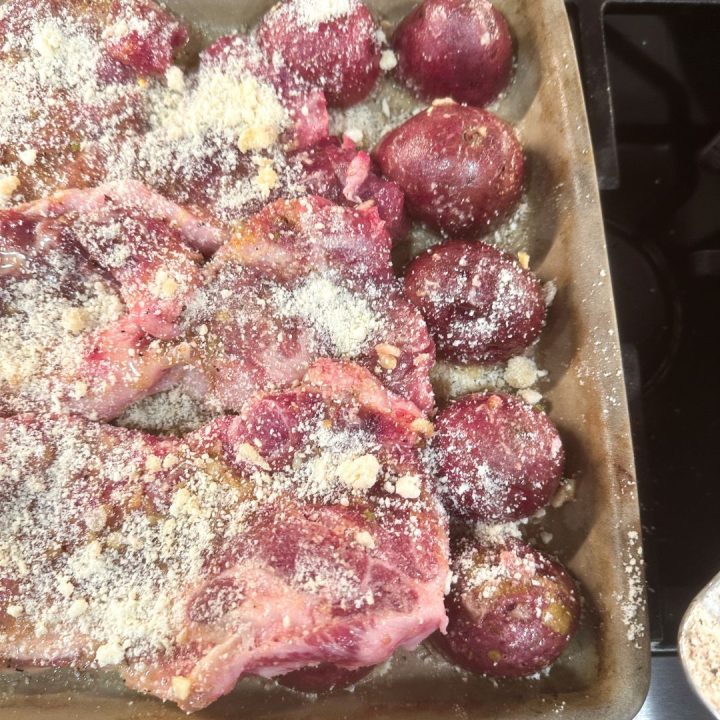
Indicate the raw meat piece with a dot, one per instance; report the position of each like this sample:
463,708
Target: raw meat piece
333,46
90,280
337,170
97,277
217,139
235,176
299,532
70,81
220,140
305,279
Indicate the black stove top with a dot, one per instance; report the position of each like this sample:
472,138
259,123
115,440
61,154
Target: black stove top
651,72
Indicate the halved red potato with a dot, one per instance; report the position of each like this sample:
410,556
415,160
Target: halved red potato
461,168
455,48
333,46
498,459
480,305
512,610
143,36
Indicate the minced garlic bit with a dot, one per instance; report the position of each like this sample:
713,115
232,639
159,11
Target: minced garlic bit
521,372
8,185
65,587
531,397
109,654
181,687
164,285
175,79
422,426
359,473
364,538
170,461
14,610
388,60
408,486
28,156
75,319
80,389
97,518
524,260
153,464
266,178
77,608
245,451
388,355
565,493
439,102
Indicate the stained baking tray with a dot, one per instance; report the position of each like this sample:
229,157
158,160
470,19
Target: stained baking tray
605,673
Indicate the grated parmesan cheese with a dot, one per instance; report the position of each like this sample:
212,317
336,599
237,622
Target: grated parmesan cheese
344,321
310,13
359,473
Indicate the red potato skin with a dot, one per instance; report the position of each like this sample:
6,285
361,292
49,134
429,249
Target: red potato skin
455,48
498,459
341,56
322,678
512,625
461,168
479,304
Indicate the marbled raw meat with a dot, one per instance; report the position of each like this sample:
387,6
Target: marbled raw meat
91,281
305,279
299,532
75,75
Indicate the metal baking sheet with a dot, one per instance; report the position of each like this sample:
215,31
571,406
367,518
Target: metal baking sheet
605,673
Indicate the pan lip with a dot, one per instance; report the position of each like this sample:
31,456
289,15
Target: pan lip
618,693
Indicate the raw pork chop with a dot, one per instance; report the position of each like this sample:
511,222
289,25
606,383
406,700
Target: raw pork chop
313,161
243,131
73,76
89,281
90,95
217,139
305,279
299,532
